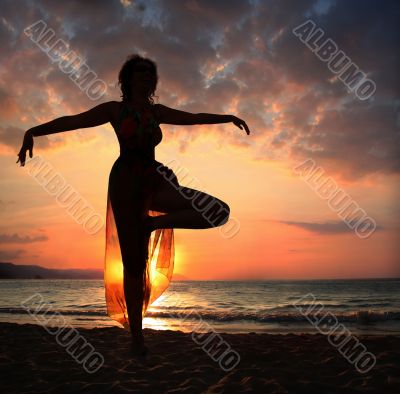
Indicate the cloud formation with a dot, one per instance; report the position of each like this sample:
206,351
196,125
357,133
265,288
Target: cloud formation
11,254
236,57
324,228
16,238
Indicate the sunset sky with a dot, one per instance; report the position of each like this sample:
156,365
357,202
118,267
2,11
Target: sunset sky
223,57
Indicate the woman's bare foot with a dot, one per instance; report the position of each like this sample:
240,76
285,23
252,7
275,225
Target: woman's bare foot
138,348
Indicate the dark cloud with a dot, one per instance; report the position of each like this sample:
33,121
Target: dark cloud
351,137
18,239
13,136
363,139
325,228
215,56
11,254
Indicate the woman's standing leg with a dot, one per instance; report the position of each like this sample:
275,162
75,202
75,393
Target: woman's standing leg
133,290
128,209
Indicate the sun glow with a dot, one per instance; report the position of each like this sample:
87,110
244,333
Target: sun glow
115,273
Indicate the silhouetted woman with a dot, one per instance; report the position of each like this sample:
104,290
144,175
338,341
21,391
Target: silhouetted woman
143,194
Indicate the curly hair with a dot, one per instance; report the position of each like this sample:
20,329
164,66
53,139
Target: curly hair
126,72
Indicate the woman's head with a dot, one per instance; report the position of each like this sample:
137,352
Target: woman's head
138,74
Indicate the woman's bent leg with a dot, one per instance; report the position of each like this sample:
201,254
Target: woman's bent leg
187,208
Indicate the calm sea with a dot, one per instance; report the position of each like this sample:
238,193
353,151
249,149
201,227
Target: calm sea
363,306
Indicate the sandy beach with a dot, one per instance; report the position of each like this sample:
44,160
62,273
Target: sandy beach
33,361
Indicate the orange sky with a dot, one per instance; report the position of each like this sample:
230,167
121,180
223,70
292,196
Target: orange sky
261,195
286,229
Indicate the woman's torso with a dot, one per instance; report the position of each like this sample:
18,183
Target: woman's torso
137,130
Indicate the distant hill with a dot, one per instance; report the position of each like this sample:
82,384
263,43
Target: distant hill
14,271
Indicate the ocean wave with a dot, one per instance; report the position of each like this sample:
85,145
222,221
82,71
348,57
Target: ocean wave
360,316
75,312
345,306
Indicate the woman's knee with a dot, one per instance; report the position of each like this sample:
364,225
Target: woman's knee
214,210
217,212
133,260
226,210
133,270
132,252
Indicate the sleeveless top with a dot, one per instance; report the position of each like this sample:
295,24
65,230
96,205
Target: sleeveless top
138,134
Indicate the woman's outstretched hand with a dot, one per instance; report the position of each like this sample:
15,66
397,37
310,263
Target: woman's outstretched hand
27,145
240,123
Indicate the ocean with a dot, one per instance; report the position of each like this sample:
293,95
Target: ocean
283,306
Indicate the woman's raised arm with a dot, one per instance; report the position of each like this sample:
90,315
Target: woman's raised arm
173,116
95,116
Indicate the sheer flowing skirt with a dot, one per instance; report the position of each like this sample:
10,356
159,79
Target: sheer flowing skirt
141,182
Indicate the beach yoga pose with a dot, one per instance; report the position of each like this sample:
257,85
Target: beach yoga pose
145,201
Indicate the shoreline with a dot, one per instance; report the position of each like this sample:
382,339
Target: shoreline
36,360
378,328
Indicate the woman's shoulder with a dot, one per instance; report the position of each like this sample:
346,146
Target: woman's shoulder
156,108
115,106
